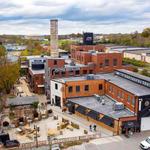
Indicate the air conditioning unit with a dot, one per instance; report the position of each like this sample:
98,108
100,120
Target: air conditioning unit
90,77
118,106
97,97
103,101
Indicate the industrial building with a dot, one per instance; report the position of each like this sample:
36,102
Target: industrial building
141,55
118,101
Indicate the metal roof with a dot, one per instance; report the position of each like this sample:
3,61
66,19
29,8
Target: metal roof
41,71
130,86
134,74
107,109
21,101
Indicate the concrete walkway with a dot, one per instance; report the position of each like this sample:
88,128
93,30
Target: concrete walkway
82,122
24,85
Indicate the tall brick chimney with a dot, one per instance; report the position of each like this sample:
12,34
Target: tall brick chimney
54,38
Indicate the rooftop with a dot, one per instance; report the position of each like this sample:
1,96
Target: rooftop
41,71
20,101
139,52
134,74
132,87
107,109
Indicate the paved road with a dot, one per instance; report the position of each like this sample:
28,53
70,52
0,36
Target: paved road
114,143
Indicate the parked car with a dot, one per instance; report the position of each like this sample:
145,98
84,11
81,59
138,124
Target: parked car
55,147
145,145
12,143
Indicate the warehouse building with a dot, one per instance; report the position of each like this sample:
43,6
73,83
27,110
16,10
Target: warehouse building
98,95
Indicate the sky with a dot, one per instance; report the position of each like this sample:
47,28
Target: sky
31,17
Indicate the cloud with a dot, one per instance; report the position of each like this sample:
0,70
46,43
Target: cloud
99,16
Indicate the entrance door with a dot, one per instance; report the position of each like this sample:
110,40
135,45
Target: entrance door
145,123
57,101
71,109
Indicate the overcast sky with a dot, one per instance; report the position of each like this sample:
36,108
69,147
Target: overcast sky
98,16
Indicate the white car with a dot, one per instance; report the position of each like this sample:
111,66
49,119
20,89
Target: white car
55,147
145,145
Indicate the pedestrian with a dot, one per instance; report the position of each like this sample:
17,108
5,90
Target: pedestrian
90,127
94,127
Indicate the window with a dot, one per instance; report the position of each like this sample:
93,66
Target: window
77,88
71,72
84,71
119,94
115,62
86,87
129,99
70,89
133,102
100,86
100,65
106,62
91,71
110,88
77,72
56,86
63,72
55,62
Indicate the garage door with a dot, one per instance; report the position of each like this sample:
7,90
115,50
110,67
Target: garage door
145,123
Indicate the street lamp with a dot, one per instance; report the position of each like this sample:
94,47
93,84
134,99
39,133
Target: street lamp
37,129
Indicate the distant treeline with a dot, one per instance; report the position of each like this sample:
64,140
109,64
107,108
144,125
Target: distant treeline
133,39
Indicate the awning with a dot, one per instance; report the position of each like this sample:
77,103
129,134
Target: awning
107,120
93,114
40,86
130,124
81,110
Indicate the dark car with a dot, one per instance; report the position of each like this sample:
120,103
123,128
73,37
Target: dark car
12,143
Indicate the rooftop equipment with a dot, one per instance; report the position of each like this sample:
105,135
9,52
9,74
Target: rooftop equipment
118,106
90,77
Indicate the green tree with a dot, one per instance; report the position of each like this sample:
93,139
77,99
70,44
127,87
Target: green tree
145,72
146,32
65,44
9,73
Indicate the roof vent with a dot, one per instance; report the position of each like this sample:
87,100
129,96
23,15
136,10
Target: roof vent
72,63
97,97
90,77
118,106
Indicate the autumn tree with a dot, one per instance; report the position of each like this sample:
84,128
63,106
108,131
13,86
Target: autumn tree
9,72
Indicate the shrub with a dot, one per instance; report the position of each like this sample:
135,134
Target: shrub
74,125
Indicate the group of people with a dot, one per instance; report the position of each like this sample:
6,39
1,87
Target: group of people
92,127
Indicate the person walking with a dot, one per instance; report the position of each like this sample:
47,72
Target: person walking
90,127
94,127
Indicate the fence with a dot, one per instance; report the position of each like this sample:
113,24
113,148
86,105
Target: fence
57,141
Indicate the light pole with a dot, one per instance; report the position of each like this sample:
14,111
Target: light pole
37,129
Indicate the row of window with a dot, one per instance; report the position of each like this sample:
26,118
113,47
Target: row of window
86,88
71,72
121,96
107,62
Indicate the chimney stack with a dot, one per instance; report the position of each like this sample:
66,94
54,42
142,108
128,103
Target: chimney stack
54,38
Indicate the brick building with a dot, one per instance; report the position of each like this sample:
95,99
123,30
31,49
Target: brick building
35,74
93,97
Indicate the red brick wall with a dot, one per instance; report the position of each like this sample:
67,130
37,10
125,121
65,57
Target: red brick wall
123,98
60,62
100,48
